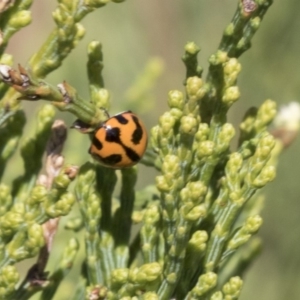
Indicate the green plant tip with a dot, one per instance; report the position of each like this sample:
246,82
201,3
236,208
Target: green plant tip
195,213
148,272
255,23
162,184
150,296
229,30
231,95
188,125
10,275
171,164
205,148
202,133
167,122
232,68
6,59
191,48
233,287
193,85
171,278
95,50
217,296
119,276
20,19
253,223
219,58
175,99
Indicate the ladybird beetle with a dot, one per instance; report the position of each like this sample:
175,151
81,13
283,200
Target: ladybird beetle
120,141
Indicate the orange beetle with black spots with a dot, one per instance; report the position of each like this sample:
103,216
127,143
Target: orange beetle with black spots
120,141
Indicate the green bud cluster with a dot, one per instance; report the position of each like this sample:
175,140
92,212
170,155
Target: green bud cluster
9,277
43,204
67,34
5,199
150,233
241,236
232,289
190,148
16,17
174,240
12,220
99,95
242,178
62,269
31,202
205,283
238,34
191,145
256,120
89,203
11,132
130,282
261,173
26,243
190,60
34,147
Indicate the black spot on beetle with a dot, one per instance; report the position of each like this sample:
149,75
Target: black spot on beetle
131,154
121,119
97,143
138,132
111,159
113,135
